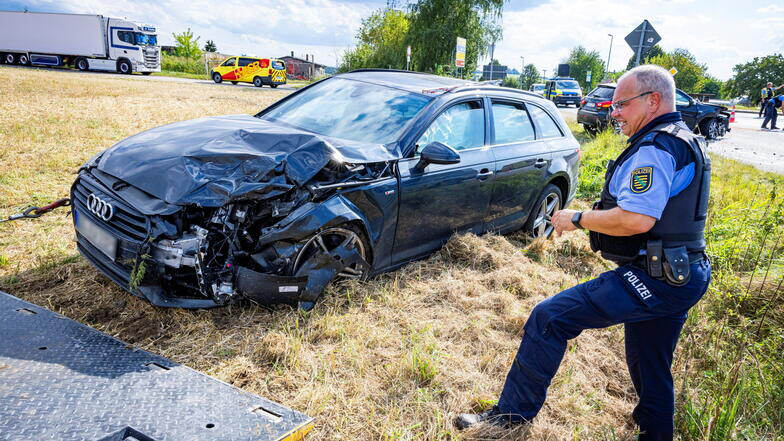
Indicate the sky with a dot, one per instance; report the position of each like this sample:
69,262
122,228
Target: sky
720,33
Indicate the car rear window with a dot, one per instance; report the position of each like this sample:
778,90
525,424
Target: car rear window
278,65
348,109
605,93
545,122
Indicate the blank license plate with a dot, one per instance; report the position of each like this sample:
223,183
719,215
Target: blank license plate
97,236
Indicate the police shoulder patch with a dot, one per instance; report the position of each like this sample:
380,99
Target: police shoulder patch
641,179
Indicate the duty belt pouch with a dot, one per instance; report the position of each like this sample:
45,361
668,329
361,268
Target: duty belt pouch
654,258
676,266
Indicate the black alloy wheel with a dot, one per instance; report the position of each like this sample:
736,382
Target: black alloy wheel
326,241
82,64
540,221
124,67
257,82
217,77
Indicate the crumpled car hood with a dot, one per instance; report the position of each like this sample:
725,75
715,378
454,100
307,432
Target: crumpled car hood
209,161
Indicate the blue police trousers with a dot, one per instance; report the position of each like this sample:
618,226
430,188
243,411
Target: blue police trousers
653,313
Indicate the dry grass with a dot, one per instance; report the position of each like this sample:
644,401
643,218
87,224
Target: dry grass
394,358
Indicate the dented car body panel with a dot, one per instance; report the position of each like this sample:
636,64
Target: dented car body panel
329,182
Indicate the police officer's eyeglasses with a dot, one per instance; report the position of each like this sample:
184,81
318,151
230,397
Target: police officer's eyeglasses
618,105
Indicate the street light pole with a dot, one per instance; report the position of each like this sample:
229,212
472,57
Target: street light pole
607,66
522,69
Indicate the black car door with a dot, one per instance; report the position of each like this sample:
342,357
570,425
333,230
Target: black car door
688,109
521,164
439,200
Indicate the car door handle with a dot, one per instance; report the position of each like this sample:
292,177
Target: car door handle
484,174
540,163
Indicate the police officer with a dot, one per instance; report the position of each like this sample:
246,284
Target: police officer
766,94
650,221
771,114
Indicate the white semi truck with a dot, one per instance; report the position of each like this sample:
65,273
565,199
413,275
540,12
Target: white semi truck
86,42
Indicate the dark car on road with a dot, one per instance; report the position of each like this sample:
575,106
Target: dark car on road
348,177
709,120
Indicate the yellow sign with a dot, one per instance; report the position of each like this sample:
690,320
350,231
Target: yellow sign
460,50
673,71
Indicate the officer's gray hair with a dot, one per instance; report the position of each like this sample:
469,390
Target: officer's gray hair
655,79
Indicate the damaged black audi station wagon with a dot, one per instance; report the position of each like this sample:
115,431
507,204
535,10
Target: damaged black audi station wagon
348,177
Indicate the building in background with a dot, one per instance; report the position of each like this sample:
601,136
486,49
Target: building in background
303,69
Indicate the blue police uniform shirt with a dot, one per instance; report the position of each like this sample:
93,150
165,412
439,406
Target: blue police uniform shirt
660,168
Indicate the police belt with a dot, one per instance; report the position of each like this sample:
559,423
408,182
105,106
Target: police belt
669,264
641,261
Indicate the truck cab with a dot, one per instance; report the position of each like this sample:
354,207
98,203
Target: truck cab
132,48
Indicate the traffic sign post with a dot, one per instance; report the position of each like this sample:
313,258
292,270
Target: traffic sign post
642,39
408,57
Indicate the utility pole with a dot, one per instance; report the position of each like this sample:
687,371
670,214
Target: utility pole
607,66
522,69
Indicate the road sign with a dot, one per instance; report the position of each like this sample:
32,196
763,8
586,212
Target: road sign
460,50
642,39
588,77
673,71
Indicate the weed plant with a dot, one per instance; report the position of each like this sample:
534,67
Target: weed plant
174,63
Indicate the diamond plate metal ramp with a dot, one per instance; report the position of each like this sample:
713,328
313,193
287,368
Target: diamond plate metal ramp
61,380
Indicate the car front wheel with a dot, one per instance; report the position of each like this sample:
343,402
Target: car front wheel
709,128
217,77
540,221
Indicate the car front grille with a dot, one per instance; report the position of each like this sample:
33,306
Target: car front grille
151,59
127,225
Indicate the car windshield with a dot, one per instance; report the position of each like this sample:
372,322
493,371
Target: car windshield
605,93
349,109
571,84
146,39
537,88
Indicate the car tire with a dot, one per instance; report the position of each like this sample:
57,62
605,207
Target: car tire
217,77
722,129
591,130
257,82
539,222
327,240
146,73
234,82
82,64
124,67
9,59
273,85
24,60
709,128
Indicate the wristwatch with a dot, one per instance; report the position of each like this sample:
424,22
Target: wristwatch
576,220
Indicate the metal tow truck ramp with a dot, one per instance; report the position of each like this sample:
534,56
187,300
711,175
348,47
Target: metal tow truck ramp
61,380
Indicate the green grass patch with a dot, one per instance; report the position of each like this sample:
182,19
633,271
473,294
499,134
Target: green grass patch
171,73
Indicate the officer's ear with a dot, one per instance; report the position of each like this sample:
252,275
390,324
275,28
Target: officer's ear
656,100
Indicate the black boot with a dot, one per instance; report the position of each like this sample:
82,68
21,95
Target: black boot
493,417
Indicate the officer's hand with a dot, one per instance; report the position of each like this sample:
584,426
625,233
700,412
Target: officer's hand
562,221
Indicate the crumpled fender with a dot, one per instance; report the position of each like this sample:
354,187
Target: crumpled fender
312,217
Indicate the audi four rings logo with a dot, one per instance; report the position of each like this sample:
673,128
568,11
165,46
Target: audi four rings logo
99,207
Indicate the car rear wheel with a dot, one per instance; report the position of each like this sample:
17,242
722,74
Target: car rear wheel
82,64
709,128
10,59
257,82
216,77
234,82
273,85
540,223
24,60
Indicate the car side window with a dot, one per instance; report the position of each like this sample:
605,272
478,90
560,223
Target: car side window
461,127
681,99
512,123
245,61
229,62
547,126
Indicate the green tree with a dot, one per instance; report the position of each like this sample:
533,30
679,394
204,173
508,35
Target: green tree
690,72
709,84
654,51
186,46
209,46
436,24
381,42
581,61
529,76
752,76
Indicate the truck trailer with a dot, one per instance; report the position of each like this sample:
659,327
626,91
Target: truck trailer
83,41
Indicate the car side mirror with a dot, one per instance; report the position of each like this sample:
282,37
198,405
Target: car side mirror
437,153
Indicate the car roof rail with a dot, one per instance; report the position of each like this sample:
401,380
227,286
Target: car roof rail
375,69
479,86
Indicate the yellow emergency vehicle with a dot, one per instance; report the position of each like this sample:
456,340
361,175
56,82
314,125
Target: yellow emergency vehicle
259,71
